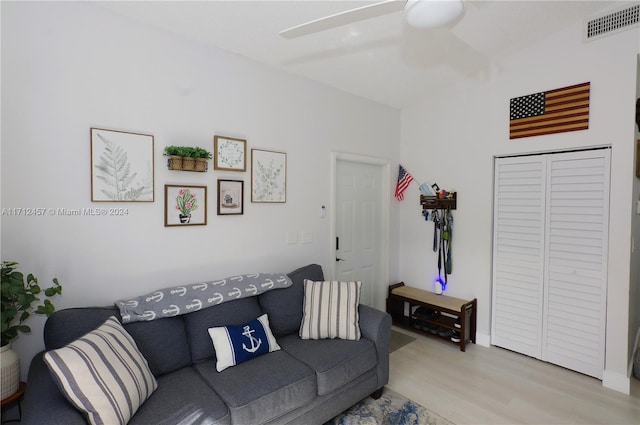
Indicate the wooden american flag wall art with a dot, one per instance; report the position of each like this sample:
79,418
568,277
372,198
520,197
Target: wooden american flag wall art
554,111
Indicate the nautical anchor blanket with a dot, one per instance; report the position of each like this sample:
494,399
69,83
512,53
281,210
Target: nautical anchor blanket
185,299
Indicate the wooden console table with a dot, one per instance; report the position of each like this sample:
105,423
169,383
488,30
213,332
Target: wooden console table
454,308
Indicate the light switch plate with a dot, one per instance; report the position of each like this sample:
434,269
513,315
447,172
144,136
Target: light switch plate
307,237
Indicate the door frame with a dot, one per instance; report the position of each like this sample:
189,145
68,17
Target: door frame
379,294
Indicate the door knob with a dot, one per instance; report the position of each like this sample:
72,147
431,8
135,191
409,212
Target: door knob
339,259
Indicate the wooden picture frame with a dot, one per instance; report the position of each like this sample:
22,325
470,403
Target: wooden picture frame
179,208
230,197
121,166
230,154
268,176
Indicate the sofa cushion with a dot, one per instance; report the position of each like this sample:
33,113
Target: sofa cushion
330,310
238,344
262,389
103,374
197,324
336,362
284,306
65,326
162,342
182,397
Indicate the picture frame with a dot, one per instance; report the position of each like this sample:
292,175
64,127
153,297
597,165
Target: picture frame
122,167
185,205
268,176
230,197
230,154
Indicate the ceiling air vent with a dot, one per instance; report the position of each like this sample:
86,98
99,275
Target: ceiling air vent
611,22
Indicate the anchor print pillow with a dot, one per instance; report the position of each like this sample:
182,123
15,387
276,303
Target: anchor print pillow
237,344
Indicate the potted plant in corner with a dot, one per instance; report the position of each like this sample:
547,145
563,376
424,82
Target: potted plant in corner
201,156
19,301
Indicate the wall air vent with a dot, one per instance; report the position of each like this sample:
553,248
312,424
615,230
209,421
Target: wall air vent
612,22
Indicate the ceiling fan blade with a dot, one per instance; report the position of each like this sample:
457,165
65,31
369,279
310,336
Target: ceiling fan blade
344,18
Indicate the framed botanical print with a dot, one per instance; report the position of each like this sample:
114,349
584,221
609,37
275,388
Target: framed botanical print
230,197
268,176
121,166
230,154
185,205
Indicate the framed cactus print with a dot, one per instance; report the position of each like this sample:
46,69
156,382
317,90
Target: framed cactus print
121,166
185,205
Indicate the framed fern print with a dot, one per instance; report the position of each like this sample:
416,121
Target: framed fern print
121,166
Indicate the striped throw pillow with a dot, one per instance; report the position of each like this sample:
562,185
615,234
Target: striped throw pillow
330,310
103,374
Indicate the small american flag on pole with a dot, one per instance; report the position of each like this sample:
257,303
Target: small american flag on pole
554,111
404,179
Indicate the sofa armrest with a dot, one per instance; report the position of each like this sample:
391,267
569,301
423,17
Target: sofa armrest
375,325
43,403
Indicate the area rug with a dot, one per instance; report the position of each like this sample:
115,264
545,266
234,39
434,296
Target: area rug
390,409
399,340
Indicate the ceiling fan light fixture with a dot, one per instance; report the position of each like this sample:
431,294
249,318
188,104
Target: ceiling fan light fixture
432,13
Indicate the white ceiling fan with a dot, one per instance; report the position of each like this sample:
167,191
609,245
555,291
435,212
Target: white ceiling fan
418,13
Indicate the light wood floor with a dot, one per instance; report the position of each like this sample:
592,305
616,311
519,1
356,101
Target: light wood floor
496,386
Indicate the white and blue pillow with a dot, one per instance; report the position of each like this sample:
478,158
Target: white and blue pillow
237,344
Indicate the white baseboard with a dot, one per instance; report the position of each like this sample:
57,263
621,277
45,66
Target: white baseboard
483,339
616,381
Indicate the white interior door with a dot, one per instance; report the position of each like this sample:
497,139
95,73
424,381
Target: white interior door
359,226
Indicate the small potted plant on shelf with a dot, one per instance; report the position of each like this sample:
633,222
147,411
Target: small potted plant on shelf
175,159
188,160
19,301
201,156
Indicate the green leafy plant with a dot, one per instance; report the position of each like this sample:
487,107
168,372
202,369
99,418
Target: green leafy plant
172,150
188,152
18,298
201,153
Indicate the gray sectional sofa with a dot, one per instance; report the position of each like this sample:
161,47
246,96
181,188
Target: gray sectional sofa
306,382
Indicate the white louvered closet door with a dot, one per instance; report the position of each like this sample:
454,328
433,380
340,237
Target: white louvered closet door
518,254
576,263
570,254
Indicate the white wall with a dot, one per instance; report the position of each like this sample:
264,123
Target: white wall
453,136
70,66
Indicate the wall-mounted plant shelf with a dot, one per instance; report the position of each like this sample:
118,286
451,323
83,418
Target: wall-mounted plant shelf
186,158
180,163
435,203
